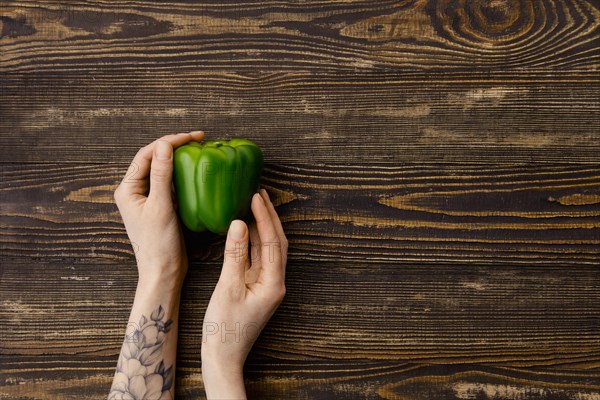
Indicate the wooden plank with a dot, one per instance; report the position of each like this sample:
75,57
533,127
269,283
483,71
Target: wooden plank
521,214
345,330
339,379
394,117
83,37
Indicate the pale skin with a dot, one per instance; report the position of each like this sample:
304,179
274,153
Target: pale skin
249,290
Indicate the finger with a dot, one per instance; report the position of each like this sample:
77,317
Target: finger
255,245
253,272
161,173
272,212
236,254
278,226
135,180
144,156
271,262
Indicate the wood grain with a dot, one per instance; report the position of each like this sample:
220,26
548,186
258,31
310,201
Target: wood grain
350,35
436,165
468,214
344,329
499,81
352,379
301,118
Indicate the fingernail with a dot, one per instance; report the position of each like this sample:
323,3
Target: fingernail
266,194
237,230
163,150
259,197
194,132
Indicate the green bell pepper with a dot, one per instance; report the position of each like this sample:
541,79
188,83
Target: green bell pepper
215,181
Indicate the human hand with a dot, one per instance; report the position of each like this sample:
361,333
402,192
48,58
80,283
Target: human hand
145,199
247,294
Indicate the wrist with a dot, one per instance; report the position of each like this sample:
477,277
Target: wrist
160,283
221,364
222,379
162,277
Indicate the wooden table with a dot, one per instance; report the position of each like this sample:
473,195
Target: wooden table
436,166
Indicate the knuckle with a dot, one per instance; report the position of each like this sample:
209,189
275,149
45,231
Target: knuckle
167,137
280,293
142,151
236,253
276,293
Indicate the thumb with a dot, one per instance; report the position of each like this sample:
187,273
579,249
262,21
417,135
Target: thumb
161,172
236,253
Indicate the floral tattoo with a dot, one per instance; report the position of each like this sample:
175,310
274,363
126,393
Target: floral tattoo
140,374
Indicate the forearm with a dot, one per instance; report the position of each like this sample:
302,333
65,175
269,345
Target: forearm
146,366
222,381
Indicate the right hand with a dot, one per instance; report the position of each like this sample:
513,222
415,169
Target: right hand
247,294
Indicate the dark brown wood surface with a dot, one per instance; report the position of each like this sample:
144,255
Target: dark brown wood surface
436,165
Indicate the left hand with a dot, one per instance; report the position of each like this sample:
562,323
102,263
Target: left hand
145,199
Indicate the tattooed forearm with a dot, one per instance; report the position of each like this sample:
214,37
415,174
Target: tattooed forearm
141,372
